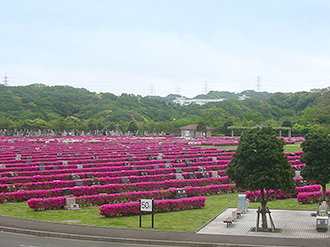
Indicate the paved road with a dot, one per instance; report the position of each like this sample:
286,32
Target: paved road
21,240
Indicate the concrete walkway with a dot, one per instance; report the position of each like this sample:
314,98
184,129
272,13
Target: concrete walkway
293,224
213,234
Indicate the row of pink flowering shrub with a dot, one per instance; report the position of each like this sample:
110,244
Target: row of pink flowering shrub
125,170
111,188
310,197
255,196
86,182
123,173
133,208
100,199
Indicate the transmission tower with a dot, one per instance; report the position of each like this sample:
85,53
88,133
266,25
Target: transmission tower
205,88
152,89
258,83
177,90
5,80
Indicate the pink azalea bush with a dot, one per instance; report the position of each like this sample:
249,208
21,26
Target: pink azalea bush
100,199
133,208
310,197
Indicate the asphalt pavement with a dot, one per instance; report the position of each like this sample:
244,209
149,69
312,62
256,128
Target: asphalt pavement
203,237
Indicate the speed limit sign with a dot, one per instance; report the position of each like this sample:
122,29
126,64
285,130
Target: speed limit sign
146,205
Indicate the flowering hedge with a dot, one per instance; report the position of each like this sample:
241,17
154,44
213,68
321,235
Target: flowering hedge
132,208
59,202
254,196
111,188
310,197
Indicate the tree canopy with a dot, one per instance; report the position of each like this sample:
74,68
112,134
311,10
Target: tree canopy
317,158
259,164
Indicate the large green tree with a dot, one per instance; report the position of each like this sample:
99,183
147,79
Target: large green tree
259,164
317,158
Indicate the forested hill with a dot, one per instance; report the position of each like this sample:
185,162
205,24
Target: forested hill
63,107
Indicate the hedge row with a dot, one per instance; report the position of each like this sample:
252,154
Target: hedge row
133,208
100,199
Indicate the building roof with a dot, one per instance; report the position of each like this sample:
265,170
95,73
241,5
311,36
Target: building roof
193,127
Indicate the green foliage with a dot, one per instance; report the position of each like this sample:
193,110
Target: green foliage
39,106
317,158
259,164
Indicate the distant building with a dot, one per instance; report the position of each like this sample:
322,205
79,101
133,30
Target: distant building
191,131
184,101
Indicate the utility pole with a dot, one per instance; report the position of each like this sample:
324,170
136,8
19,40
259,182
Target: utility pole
5,80
258,83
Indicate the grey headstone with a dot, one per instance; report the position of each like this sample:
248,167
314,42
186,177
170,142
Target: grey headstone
78,182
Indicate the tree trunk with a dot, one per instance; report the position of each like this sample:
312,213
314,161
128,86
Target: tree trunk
264,224
324,192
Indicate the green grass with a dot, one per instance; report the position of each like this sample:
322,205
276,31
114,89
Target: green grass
287,148
189,220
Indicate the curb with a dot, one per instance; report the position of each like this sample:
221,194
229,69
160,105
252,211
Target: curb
120,240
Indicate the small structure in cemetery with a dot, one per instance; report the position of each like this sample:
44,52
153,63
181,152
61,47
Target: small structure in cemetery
70,203
322,217
124,180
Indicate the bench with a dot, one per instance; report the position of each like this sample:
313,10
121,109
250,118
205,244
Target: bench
229,221
239,212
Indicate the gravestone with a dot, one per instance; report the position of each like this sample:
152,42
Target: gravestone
143,173
201,169
92,165
124,180
133,168
42,167
70,204
59,155
126,163
18,157
80,166
178,176
191,175
178,160
156,166
214,174
13,174
0,175
2,166
95,182
65,162
178,170
66,192
188,163
214,159
168,161
88,175
168,166
28,160
297,174
78,182
74,177
197,160
54,167
204,175
180,193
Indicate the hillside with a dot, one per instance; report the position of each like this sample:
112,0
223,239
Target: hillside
63,107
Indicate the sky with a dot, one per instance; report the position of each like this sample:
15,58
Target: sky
161,47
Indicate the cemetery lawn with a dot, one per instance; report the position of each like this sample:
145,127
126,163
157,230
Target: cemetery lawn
189,220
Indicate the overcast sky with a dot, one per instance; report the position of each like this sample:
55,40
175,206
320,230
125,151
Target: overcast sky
162,47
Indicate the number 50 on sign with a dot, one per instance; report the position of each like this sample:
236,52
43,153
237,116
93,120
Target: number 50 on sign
146,205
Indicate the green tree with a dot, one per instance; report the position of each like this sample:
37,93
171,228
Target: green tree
317,158
259,164
132,126
201,127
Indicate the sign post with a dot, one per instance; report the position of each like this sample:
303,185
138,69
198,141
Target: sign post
147,205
